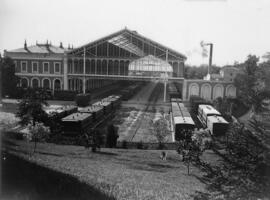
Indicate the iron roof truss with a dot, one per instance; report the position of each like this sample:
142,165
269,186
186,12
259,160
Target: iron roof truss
130,41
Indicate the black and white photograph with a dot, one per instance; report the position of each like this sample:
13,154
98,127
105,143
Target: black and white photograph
135,99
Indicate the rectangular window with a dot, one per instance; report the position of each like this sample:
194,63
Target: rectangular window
57,68
34,67
16,66
23,66
45,67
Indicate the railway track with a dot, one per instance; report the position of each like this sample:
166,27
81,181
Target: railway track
153,98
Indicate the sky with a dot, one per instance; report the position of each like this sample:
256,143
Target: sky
237,28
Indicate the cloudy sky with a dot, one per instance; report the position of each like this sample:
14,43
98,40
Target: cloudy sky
236,27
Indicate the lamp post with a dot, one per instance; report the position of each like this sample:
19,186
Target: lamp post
165,77
1,80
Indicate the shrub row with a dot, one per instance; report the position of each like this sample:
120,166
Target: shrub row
141,145
83,100
65,95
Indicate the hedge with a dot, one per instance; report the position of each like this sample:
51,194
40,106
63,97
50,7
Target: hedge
83,99
65,95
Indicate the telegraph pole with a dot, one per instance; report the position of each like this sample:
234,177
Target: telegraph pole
84,86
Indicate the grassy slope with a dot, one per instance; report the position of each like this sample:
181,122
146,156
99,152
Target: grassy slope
124,174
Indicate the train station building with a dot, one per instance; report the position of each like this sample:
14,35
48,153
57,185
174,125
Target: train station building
123,55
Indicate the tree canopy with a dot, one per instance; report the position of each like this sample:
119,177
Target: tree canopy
30,108
251,84
8,80
198,72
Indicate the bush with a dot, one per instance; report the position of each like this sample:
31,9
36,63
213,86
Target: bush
83,99
19,92
65,95
124,144
97,140
161,146
14,135
195,101
140,145
112,136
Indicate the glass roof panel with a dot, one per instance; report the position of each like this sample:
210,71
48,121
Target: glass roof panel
150,63
123,42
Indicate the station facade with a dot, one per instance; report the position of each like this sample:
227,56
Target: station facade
100,62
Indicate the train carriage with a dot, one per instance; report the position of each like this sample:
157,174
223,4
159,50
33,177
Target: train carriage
95,110
206,110
61,111
107,107
173,92
176,100
115,100
212,119
181,119
217,125
77,123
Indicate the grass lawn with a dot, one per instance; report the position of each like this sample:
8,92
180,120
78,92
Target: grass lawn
119,173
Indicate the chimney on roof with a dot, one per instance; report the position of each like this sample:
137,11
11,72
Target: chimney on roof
68,46
72,47
61,45
25,45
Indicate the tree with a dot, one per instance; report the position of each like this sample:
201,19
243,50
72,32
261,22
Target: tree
38,132
265,66
251,85
8,80
225,106
30,108
193,147
161,130
244,171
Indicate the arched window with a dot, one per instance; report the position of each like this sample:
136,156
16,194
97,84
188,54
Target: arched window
218,91
194,89
24,83
206,91
35,83
57,84
231,91
46,84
